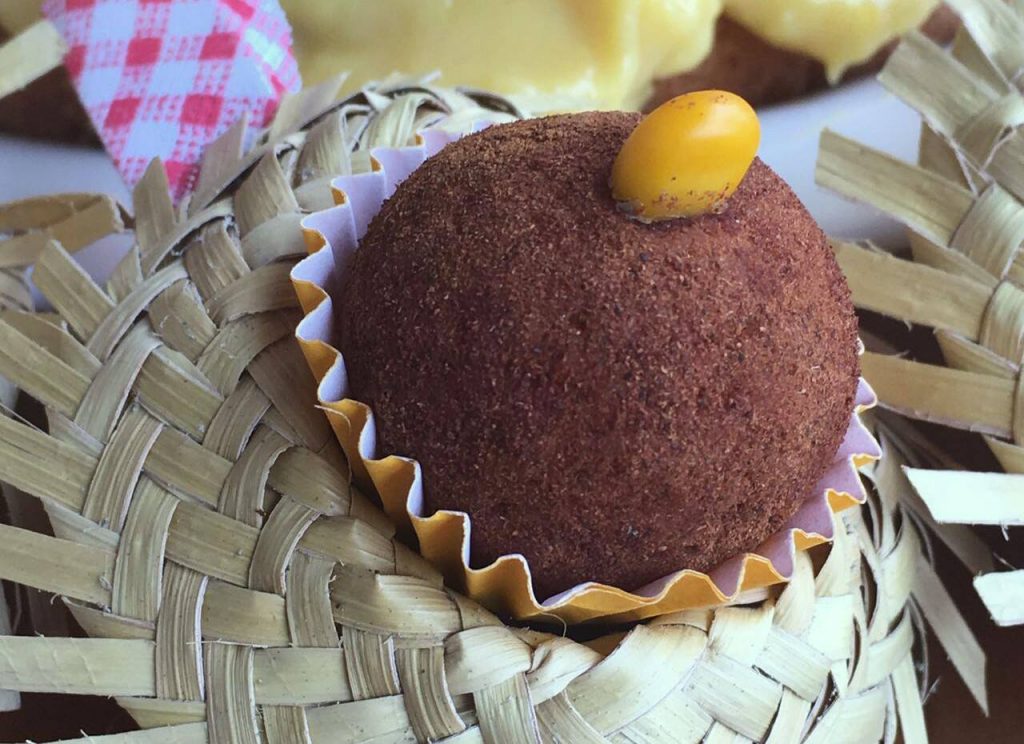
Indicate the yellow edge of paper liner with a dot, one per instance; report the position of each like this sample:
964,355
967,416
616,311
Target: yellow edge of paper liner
504,586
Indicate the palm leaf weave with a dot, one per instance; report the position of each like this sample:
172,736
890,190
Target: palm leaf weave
238,588
964,279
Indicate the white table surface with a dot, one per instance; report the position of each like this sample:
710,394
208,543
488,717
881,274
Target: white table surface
789,144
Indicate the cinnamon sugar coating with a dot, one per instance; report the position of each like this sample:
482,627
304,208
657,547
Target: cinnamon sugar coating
614,400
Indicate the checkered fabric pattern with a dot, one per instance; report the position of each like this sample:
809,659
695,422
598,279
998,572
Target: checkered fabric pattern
161,78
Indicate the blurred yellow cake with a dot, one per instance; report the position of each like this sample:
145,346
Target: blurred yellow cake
557,55
583,54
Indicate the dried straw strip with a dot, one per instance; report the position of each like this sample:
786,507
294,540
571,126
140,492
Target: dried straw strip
937,394
286,724
119,468
138,570
864,712
9,699
119,322
968,356
1003,330
353,542
299,112
220,156
319,483
992,230
878,282
14,292
267,194
179,673
103,402
736,695
959,497
216,545
186,467
557,718
481,657
946,259
370,663
27,365
308,602
263,290
154,713
506,712
382,719
233,426
154,210
927,78
152,257
179,314
400,605
30,55
274,371
57,566
952,631
83,226
72,292
680,650
938,607
187,733
226,356
301,676
214,260
886,653
173,390
1003,595
801,668
93,666
242,495
237,615
230,705
67,525
277,543
1010,456
430,707
677,717
997,28
892,484
92,581
1007,164
39,464
39,212
928,203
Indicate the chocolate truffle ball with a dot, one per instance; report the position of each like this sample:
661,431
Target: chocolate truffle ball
614,400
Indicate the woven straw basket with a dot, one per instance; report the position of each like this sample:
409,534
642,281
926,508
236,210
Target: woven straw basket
963,208
237,587
14,294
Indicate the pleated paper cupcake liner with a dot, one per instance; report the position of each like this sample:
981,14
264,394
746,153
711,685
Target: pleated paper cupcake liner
505,585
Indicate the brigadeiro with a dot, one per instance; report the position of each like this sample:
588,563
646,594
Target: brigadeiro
614,398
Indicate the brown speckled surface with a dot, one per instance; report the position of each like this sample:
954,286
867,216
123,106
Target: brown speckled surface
614,400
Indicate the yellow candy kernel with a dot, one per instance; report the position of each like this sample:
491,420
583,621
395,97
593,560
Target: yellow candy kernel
686,157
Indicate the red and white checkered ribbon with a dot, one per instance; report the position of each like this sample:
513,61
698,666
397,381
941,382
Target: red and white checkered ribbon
162,78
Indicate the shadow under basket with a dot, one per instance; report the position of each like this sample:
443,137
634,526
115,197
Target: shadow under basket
237,587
